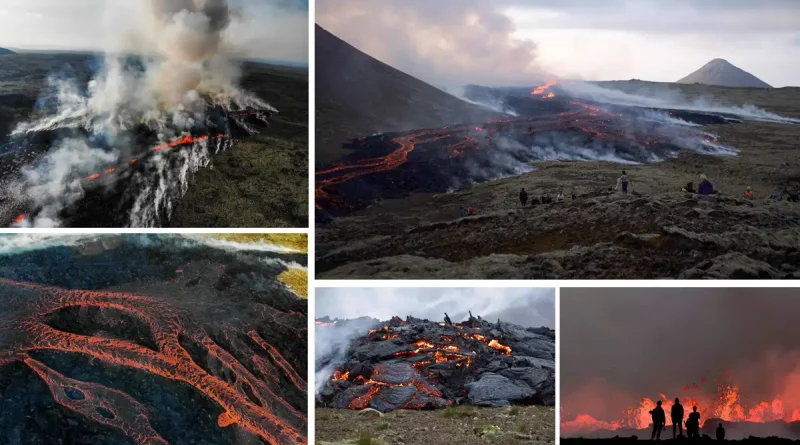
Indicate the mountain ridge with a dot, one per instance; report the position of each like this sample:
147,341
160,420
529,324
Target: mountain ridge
720,72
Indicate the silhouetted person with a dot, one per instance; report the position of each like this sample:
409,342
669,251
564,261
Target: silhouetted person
693,424
659,420
523,197
677,418
720,433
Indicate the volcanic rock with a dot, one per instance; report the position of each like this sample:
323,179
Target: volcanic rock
359,95
419,364
720,72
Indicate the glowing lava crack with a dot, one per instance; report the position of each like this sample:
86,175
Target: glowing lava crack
272,418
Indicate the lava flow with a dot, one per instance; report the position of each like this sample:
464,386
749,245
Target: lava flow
724,402
418,364
548,127
240,372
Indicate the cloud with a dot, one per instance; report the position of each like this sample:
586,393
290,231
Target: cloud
515,42
526,307
263,29
447,42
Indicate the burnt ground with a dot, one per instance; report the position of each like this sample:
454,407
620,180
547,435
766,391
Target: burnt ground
654,232
260,182
461,425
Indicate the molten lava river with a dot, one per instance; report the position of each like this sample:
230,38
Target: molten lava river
548,126
144,339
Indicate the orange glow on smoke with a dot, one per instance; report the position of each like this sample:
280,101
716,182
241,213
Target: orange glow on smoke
725,403
19,219
236,397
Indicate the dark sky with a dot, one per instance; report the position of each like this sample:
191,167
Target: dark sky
623,344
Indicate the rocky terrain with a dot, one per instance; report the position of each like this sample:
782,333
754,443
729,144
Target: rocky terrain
720,72
656,231
419,364
516,425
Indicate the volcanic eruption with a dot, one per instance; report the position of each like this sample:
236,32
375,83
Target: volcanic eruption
121,341
745,361
553,121
419,364
121,149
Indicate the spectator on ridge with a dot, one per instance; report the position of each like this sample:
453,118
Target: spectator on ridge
705,187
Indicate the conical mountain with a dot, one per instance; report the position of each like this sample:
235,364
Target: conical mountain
722,73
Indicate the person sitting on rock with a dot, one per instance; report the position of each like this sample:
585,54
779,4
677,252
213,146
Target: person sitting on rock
659,419
470,211
463,212
720,433
523,197
689,188
748,193
560,197
705,187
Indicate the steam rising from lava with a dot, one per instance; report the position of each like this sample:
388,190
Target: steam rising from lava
182,69
733,353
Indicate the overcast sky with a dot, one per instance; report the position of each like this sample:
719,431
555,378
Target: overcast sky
268,29
619,345
505,42
525,307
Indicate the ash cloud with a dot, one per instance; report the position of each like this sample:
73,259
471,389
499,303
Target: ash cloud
619,345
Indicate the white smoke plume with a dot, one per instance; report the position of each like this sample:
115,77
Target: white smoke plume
183,66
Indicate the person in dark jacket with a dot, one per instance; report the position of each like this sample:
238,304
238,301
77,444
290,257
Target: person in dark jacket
693,424
523,197
659,420
720,433
705,187
677,418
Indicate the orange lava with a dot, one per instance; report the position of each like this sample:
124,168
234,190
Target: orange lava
500,347
538,91
19,219
724,403
31,304
185,140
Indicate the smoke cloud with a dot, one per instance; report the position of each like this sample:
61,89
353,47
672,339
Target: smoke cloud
183,65
447,42
619,345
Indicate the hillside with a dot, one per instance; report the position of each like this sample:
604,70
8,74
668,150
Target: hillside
5,52
720,72
357,95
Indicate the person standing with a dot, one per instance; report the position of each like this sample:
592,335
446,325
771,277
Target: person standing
624,181
677,418
523,197
659,420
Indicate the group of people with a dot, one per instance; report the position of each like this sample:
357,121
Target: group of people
546,199
705,187
676,415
